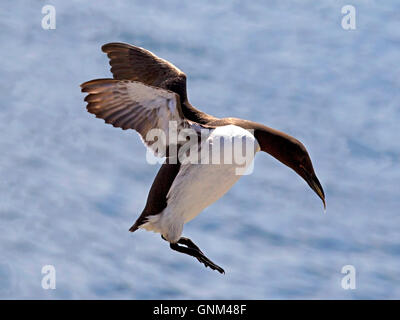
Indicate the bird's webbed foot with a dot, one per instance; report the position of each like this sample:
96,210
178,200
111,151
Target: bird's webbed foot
187,246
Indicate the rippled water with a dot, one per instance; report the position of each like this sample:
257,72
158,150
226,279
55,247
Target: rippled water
71,186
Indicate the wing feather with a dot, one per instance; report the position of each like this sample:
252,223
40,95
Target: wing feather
134,63
129,104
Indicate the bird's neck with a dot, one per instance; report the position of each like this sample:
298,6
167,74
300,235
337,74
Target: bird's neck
274,142
193,114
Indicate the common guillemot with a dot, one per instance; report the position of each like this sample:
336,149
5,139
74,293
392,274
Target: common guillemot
148,93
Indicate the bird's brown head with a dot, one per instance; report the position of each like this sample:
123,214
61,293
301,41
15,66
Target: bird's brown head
292,153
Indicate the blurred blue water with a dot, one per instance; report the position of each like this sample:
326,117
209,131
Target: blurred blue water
71,186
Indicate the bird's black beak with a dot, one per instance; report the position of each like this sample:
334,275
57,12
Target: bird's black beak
314,183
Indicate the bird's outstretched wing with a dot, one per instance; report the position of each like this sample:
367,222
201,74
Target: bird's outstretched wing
131,104
134,63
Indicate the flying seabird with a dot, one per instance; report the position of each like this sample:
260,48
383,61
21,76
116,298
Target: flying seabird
149,93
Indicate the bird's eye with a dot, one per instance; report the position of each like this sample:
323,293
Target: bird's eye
303,166
303,162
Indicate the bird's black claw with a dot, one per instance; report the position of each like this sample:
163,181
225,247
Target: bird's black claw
191,249
208,263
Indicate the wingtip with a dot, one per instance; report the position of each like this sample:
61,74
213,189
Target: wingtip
85,86
133,228
108,46
105,46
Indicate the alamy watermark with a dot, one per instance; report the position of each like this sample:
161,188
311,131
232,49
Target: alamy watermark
349,280
49,20
219,146
349,18
49,278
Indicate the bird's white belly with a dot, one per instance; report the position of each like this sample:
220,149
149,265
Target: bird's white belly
196,187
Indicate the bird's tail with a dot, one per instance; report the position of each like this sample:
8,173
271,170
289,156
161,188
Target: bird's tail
134,227
138,223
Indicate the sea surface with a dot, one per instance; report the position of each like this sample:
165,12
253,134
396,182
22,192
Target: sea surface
71,186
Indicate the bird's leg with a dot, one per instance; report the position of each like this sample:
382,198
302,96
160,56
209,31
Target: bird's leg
191,249
189,243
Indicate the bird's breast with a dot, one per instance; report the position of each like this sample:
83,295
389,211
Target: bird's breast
198,185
